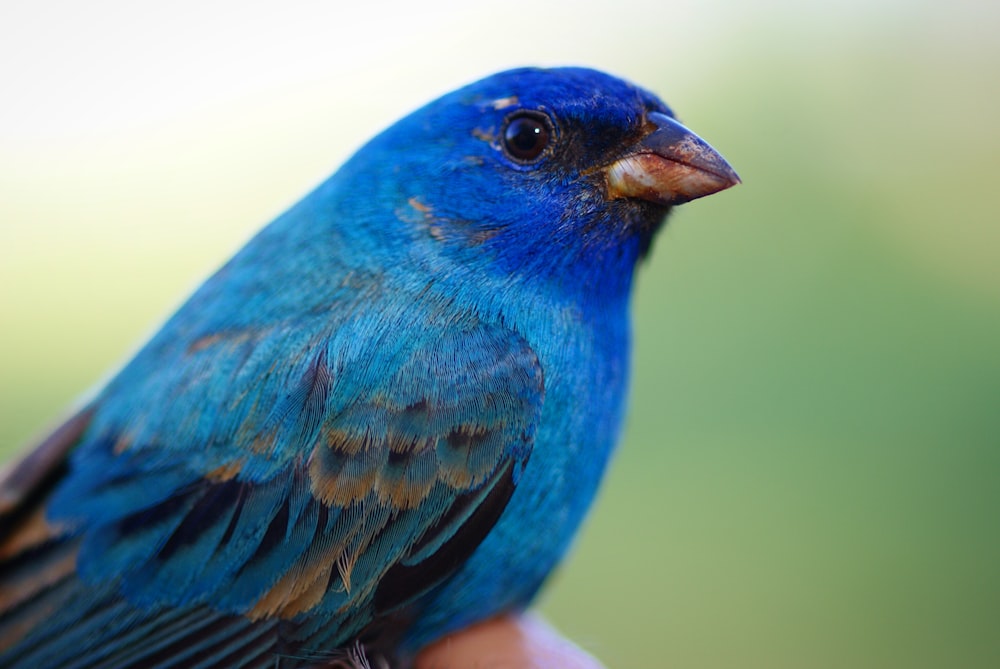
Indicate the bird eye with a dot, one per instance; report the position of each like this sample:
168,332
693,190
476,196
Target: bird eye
526,136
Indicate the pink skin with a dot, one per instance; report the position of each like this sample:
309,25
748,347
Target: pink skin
507,642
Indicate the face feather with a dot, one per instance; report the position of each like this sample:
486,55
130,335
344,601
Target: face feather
513,176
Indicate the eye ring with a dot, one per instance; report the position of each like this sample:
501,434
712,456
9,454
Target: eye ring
527,136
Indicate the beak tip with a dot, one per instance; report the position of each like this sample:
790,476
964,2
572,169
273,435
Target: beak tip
697,183
731,178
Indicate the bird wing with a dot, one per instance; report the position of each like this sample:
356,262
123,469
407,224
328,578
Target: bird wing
312,496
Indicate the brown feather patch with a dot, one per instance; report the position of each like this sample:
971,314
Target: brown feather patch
49,571
31,532
343,470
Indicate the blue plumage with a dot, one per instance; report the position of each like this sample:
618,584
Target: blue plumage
383,419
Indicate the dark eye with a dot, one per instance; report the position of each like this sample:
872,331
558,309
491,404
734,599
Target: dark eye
526,136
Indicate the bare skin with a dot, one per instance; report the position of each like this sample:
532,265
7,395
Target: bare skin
508,642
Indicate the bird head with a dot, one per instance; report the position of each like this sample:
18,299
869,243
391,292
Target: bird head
563,173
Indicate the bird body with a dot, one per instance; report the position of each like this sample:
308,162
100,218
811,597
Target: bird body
382,420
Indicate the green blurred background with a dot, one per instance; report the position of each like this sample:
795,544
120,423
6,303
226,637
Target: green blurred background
810,475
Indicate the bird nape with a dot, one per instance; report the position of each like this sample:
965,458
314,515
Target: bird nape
383,419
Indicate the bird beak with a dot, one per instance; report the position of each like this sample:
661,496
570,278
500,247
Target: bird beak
671,165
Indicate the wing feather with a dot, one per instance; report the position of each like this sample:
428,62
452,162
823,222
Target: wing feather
313,507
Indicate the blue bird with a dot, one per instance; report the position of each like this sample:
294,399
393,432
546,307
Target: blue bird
383,419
